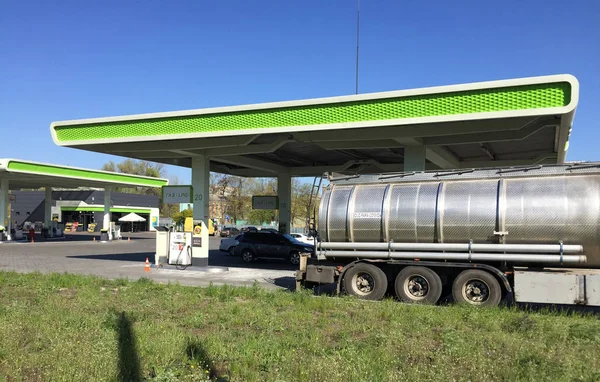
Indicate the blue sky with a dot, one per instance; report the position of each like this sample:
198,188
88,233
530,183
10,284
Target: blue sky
82,59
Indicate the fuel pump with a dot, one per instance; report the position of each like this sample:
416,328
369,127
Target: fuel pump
183,249
180,246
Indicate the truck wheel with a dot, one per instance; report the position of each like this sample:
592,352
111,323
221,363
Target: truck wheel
365,281
476,287
232,251
418,285
247,256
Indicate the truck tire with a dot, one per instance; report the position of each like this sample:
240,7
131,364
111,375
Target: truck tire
365,281
418,285
476,287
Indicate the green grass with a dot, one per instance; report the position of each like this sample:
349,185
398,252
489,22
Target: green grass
75,328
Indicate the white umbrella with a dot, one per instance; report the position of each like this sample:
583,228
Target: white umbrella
132,217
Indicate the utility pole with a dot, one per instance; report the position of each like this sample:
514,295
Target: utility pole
357,40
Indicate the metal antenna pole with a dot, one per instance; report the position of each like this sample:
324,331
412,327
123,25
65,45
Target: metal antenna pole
357,40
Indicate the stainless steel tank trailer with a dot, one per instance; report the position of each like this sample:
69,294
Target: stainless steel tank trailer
532,233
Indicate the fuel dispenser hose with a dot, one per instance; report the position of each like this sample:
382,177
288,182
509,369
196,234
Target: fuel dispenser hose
177,263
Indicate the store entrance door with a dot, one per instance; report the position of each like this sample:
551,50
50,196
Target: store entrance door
85,218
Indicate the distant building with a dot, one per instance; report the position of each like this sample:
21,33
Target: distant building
84,207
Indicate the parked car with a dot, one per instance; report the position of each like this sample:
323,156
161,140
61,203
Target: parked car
229,231
269,229
249,229
303,238
253,245
228,245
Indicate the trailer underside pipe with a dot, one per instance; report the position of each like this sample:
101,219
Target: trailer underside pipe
455,247
511,258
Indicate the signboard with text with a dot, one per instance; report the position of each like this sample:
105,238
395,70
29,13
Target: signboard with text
196,242
177,194
265,202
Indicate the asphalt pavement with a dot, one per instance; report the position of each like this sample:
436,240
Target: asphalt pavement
79,253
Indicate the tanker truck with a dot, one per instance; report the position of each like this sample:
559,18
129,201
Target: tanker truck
526,234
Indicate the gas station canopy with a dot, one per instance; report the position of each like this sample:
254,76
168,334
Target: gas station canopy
488,124
26,174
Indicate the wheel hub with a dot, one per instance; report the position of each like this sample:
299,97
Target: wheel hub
295,258
417,286
476,291
364,283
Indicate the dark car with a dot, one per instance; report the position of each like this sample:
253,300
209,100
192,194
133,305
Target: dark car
270,245
229,231
249,229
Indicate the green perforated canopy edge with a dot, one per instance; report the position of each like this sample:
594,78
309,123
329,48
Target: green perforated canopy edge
85,174
523,97
100,209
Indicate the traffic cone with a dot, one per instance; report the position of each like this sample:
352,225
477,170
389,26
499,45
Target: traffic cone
94,238
147,267
129,239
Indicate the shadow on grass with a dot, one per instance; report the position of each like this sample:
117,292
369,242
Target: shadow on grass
324,289
197,353
129,363
289,283
568,310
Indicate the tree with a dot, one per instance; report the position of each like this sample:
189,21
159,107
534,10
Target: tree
144,168
219,195
241,200
259,217
230,192
141,168
302,206
170,210
110,166
179,218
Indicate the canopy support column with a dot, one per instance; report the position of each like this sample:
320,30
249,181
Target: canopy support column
200,186
284,194
106,221
4,207
48,210
414,158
